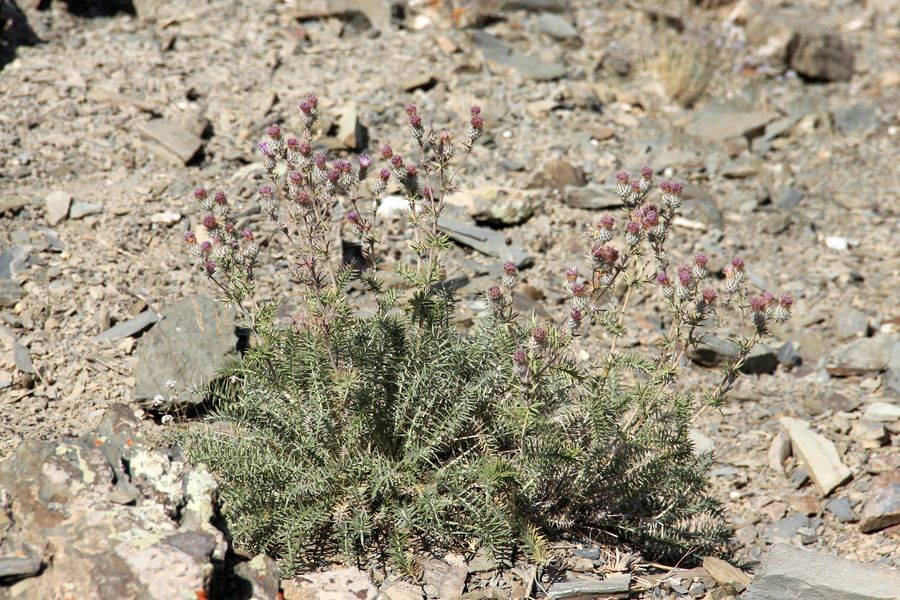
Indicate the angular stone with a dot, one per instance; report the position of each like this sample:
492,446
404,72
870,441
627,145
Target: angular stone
852,323
558,173
862,356
779,450
442,579
484,240
14,260
10,293
400,590
347,132
339,584
192,342
556,27
892,373
128,328
156,548
616,586
857,120
493,50
820,55
818,453
842,510
882,412
590,197
784,530
715,350
702,444
798,574
179,145
725,574
882,507
57,206
79,210
717,122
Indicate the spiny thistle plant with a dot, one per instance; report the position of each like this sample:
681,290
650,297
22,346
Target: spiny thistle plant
357,438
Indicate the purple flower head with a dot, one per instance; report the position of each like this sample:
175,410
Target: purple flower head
651,217
709,295
305,148
769,297
477,122
295,178
190,238
200,193
305,107
607,255
320,162
520,357
539,335
247,235
676,189
205,247
293,144
606,222
666,187
410,109
663,279
274,131
494,293
387,152
571,274
576,315
343,166
210,223
353,217
758,303
384,175
633,227
397,161
685,276
701,260
365,161
444,136
738,263
415,120
304,199
313,100
475,110
209,267
579,289
636,186
427,193
411,170
510,268
266,149
265,191
647,173
334,175
623,177
786,301
230,228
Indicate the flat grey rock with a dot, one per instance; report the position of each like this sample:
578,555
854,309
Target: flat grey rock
865,355
842,510
715,350
493,50
128,328
615,586
484,240
882,412
557,27
717,122
10,293
80,210
790,573
178,144
882,508
13,261
193,341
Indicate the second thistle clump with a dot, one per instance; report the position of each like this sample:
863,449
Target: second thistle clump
377,436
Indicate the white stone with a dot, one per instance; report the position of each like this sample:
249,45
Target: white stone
819,453
882,412
57,206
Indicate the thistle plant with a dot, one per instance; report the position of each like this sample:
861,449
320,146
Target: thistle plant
357,438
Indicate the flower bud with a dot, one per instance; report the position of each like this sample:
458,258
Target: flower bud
274,132
539,336
210,222
190,238
200,194
387,152
410,109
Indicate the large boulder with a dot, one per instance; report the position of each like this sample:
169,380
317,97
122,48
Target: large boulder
107,516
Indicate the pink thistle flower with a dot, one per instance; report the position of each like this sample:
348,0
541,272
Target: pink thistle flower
410,109
190,238
247,235
210,222
274,131
293,144
200,193
387,152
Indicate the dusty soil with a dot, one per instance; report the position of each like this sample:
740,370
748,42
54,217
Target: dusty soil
73,107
